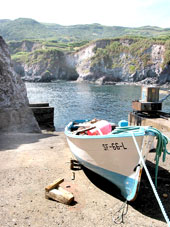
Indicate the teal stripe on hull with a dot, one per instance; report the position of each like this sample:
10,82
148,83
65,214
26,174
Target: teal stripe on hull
127,185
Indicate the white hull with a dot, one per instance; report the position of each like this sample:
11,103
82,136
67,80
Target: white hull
115,157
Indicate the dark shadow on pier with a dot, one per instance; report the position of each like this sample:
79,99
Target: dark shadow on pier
146,202
14,140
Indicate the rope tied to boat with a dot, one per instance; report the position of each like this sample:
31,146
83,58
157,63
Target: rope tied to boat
119,219
125,129
161,149
152,184
162,141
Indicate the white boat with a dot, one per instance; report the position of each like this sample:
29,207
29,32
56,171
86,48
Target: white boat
113,155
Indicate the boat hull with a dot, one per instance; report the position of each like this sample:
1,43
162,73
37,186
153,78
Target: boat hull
114,157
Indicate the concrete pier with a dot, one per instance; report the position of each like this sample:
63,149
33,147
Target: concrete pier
161,123
44,115
30,162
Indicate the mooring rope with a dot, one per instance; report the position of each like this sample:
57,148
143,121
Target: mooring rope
151,182
119,219
162,141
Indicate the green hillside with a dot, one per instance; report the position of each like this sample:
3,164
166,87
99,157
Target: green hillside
24,28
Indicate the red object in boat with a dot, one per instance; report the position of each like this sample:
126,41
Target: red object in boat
101,128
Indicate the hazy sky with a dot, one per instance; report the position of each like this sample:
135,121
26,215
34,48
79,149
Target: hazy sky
128,13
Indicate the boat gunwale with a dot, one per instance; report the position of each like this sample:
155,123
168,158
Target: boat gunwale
138,132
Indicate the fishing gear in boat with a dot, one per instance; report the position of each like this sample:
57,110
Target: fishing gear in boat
93,127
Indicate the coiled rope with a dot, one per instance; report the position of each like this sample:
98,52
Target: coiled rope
162,141
118,130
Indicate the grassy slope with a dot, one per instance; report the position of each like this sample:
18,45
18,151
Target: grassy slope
70,38
24,28
110,54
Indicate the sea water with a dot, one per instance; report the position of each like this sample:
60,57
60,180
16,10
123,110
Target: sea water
72,100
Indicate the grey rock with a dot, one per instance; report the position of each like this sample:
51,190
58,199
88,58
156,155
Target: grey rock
165,75
53,66
15,114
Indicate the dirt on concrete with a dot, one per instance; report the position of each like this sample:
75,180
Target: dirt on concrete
29,162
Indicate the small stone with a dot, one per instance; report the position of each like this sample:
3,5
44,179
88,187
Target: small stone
165,195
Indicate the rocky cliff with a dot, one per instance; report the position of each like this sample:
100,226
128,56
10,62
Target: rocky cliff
15,115
103,61
45,65
129,61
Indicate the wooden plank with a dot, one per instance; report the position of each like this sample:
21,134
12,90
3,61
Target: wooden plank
84,130
53,185
166,92
146,106
60,195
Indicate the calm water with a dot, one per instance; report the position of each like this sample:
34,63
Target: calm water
73,100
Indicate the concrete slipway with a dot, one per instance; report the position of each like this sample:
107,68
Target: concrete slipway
29,162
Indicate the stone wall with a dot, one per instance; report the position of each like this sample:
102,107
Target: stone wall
15,115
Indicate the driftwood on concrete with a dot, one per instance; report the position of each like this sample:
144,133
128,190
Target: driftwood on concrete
53,185
55,192
60,195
